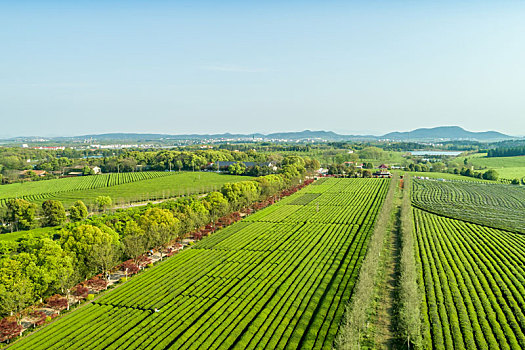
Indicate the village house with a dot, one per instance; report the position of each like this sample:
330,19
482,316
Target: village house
382,172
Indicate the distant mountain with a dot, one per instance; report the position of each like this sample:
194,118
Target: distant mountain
446,133
424,134
299,135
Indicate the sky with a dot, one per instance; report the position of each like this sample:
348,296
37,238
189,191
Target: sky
353,67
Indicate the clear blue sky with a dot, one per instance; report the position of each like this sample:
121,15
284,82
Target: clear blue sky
78,67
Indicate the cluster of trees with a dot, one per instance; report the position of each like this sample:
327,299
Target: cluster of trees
56,163
506,151
440,167
33,268
351,171
490,174
19,214
426,167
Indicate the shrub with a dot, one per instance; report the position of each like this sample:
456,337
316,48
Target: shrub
57,302
9,329
81,291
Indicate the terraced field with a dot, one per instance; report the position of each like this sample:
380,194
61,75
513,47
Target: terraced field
495,205
41,190
473,278
278,279
122,188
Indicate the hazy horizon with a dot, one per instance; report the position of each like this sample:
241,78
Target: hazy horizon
207,68
248,133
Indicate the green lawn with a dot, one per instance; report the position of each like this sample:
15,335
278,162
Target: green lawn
507,167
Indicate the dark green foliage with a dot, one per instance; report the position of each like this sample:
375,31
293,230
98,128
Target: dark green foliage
490,174
20,214
54,213
506,152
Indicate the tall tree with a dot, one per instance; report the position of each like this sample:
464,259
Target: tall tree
103,202
103,257
16,289
20,214
237,168
133,246
66,280
81,240
78,211
54,213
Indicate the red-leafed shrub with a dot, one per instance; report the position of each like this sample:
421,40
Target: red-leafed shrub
81,291
9,328
57,302
39,317
130,266
97,283
144,261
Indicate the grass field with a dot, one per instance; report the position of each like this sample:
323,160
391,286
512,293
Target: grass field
278,279
473,278
150,187
507,167
496,205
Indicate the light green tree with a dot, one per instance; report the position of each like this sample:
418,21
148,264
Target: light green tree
78,211
237,168
16,289
103,202
80,242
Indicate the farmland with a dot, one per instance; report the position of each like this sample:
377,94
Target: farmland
507,167
473,279
37,190
122,188
495,205
278,279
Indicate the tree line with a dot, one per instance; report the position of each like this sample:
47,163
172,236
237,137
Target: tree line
55,163
35,268
506,151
